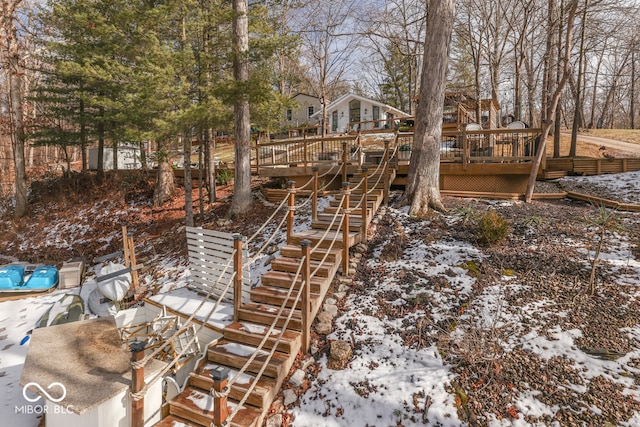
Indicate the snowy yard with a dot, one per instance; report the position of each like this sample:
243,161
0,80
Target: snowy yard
445,331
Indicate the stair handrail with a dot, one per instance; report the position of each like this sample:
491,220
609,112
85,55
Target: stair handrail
258,350
187,324
333,241
267,335
373,188
282,203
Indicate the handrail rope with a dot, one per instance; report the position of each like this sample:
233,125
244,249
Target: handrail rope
266,243
264,224
306,184
329,171
326,232
141,363
271,327
335,175
275,232
373,188
326,254
193,315
303,204
264,366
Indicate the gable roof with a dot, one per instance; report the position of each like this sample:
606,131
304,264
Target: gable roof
348,96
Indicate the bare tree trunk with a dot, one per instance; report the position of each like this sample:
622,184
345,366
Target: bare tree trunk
188,183
242,200
423,181
577,114
210,160
14,70
552,102
632,107
165,185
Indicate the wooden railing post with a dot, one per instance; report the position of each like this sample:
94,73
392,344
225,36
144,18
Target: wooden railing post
345,159
306,294
258,157
220,376
314,197
365,191
385,170
133,262
346,209
292,204
306,151
465,148
137,383
237,281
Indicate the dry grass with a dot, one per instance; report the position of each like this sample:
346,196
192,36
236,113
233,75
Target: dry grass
627,135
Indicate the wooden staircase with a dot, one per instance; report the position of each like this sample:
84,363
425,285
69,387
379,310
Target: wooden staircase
194,406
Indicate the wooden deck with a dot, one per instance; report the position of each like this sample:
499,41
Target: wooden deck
492,161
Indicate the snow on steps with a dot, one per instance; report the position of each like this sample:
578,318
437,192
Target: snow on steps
196,406
261,396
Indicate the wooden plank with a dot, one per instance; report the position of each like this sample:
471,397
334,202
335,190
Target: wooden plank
599,201
482,195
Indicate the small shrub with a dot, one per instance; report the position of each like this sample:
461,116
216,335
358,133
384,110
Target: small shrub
223,176
492,228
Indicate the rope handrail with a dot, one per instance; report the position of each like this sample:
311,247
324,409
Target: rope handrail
283,329
158,376
326,232
326,254
264,224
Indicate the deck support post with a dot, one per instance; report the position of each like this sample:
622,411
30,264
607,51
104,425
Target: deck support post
237,281
345,159
291,186
385,171
365,191
345,228
137,383
314,198
220,378
306,294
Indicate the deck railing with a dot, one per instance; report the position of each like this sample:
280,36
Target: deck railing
457,146
304,152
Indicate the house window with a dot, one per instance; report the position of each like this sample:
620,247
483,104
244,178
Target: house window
354,111
334,121
310,112
289,114
375,110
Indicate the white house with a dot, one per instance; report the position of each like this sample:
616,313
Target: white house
308,106
354,112
128,157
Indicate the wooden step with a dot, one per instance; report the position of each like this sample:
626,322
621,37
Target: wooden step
328,217
282,279
355,224
235,355
262,395
293,251
316,235
331,210
276,296
173,421
196,405
352,203
252,334
265,314
291,265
